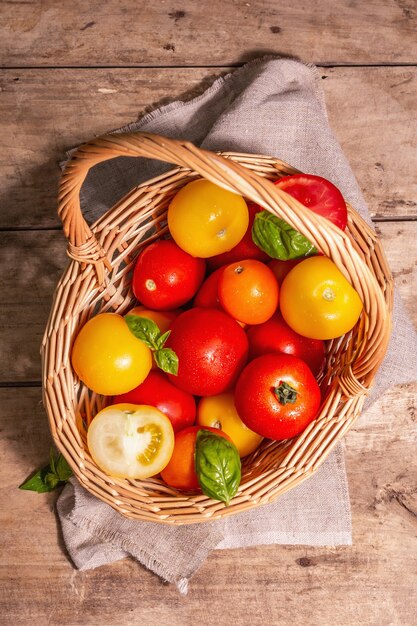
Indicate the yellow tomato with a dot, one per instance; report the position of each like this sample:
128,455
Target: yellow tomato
131,441
317,301
108,358
206,220
220,412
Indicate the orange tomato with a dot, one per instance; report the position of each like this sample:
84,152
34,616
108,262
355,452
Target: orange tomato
248,291
163,319
180,471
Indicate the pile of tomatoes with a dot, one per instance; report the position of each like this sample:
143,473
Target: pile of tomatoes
225,344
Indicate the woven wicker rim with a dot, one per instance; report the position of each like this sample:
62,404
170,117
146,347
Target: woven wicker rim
98,279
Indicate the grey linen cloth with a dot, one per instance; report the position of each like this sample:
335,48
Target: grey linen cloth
270,106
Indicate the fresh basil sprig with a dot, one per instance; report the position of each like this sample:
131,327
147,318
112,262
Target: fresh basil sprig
218,467
147,331
278,239
53,475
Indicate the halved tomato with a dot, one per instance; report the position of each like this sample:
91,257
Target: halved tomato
131,441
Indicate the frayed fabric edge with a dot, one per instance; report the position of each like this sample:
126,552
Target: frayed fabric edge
141,556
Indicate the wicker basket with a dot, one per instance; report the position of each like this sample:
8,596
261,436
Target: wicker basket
98,279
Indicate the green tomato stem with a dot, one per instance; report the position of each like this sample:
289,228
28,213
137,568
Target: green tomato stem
285,394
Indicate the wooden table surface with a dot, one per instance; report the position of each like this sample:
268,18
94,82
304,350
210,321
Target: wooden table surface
73,70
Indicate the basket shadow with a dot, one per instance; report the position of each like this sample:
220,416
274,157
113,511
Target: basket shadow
34,261
260,54
31,202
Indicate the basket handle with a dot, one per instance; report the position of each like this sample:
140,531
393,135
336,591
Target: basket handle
86,249
83,245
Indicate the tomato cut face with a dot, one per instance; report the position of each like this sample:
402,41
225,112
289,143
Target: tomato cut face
157,391
131,441
317,194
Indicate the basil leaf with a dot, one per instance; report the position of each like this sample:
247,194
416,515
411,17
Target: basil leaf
166,360
162,339
52,460
63,470
49,477
36,483
148,332
144,329
278,239
51,480
218,467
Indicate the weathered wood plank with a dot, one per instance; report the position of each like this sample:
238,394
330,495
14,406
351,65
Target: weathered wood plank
373,114
136,32
371,582
37,260
371,110
43,112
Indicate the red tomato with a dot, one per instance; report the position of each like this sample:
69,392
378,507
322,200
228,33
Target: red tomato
157,391
245,249
276,336
208,296
165,277
318,194
212,349
277,396
180,471
281,268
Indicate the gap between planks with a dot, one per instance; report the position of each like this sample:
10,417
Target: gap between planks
324,64
15,229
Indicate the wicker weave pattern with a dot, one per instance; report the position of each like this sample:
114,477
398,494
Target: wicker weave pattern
98,279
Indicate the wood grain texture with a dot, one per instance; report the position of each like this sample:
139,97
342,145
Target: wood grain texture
136,32
372,112
371,582
41,256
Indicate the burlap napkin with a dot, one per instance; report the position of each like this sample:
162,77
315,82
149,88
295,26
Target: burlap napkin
270,106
